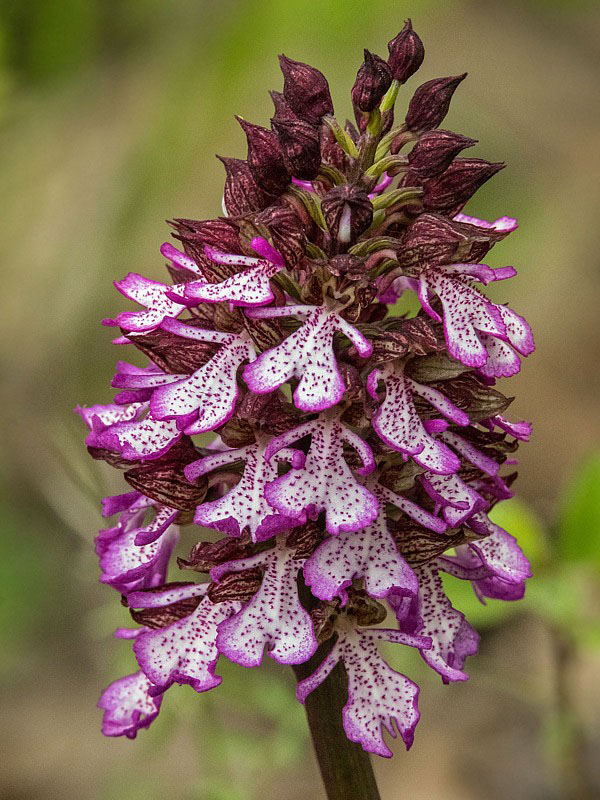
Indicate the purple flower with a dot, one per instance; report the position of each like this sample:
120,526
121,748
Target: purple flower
245,506
307,354
354,454
325,482
185,651
452,638
378,696
128,707
274,618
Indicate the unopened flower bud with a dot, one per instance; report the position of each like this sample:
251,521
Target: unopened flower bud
283,110
372,82
435,151
219,233
265,158
451,190
242,194
306,90
348,265
430,103
348,212
300,146
331,152
435,239
406,53
287,232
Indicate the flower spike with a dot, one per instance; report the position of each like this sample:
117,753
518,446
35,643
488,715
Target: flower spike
348,455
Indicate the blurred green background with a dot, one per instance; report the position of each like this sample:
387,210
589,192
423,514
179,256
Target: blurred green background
110,113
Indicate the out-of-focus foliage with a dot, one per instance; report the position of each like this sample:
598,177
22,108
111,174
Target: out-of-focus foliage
578,528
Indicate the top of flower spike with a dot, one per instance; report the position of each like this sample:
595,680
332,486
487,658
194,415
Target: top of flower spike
359,449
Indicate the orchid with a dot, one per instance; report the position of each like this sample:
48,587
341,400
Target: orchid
355,454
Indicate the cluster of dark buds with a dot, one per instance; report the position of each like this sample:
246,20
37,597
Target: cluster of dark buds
356,452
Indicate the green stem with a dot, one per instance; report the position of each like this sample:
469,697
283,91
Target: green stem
345,767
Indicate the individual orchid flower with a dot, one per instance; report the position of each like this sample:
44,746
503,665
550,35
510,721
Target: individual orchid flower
326,482
307,354
206,399
468,565
479,333
245,505
135,552
128,706
152,295
378,696
355,452
398,424
370,554
185,651
274,618
250,287
458,499
452,638
136,435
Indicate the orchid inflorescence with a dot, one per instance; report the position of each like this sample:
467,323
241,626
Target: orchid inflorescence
356,452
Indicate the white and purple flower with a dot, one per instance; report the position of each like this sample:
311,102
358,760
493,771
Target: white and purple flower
354,455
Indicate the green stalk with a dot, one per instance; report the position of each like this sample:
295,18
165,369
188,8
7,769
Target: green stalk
345,767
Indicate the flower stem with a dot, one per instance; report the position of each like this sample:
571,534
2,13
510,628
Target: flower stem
345,767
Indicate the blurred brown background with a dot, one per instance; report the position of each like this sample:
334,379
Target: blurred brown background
110,113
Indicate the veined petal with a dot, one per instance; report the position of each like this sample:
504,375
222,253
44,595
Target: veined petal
274,618
128,707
